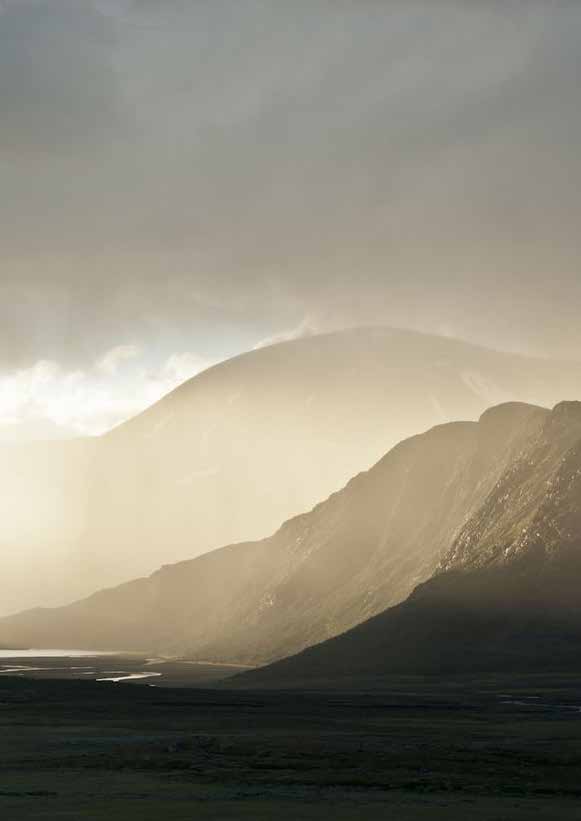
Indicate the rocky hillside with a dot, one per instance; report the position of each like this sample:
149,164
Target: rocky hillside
506,596
362,550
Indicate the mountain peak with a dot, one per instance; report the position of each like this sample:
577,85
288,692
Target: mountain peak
508,414
509,411
563,424
566,413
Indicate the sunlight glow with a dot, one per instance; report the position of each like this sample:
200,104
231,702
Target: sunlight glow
90,402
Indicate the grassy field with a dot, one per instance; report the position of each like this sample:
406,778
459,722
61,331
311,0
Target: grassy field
489,749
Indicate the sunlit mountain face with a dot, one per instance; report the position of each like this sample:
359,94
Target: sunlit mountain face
505,597
363,549
239,449
479,521
202,203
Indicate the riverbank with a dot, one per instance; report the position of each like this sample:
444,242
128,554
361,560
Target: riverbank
124,668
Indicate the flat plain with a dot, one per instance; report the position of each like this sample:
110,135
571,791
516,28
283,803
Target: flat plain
491,748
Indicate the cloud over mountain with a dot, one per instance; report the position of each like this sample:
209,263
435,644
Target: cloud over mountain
171,168
88,402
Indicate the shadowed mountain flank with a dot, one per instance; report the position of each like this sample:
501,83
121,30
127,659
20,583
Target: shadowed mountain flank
505,597
364,549
238,450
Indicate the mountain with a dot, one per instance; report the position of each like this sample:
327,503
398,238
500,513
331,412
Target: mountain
321,573
237,450
506,597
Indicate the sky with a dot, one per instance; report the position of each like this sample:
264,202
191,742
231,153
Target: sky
184,180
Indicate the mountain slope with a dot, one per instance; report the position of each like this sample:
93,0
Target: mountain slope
239,449
507,595
353,556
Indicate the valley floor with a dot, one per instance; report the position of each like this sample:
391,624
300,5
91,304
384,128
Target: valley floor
496,748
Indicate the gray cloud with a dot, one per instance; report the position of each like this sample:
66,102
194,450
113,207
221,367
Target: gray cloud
201,176
58,89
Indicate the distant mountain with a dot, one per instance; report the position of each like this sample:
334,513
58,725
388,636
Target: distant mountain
506,596
237,450
43,510
353,556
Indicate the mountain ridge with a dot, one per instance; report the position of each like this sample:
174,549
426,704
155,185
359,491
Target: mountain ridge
363,549
239,449
516,607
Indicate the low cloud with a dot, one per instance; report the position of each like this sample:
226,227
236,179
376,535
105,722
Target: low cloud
307,327
110,363
47,396
171,171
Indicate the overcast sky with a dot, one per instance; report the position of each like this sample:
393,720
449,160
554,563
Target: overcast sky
181,180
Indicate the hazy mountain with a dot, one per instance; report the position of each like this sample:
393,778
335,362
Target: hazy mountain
353,556
507,595
237,450
43,508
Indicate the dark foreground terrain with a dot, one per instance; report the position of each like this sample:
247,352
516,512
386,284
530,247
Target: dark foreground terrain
411,748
